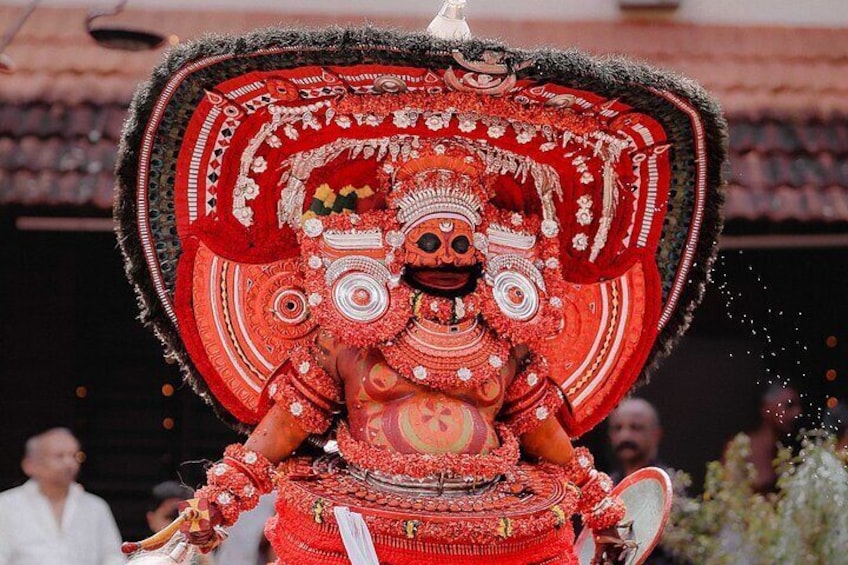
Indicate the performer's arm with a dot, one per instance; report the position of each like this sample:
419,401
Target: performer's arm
549,442
531,407
306,394
246,472
277,435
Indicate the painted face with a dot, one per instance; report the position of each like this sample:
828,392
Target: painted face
440,253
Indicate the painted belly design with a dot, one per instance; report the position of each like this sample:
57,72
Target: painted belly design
433,423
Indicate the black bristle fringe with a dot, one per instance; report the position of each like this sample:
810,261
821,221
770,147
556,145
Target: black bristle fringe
610,77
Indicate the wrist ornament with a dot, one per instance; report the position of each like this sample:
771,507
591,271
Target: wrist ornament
308,392
530,399
235,483
599,509
607,513
581,465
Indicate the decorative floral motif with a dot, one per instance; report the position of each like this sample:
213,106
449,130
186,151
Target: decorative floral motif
313,227
296,408
550,228
467,125
580,242
436,122
273,141
290,132
402,119
526,135
458,465
496,131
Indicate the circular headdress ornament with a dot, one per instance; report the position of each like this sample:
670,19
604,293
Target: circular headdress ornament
253,172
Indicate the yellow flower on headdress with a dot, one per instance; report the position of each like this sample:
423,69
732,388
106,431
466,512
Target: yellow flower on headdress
325,195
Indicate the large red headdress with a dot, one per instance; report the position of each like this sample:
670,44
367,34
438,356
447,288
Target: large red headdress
268,186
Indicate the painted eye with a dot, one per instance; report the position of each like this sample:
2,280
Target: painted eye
429,242
461,244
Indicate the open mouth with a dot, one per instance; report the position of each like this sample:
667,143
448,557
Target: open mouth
446,281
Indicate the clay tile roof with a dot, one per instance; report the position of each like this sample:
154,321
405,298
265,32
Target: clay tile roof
785,91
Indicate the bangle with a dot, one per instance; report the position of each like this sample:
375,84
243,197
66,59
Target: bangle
235,483
223,501
308,416
531,417
580,467
255,465
606,514
309,393
593,491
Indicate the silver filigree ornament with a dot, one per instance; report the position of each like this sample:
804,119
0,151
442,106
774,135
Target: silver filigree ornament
360,297
550,228
481,243
515,295
313,227
395,239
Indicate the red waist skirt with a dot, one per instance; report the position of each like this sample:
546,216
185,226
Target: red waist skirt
522,519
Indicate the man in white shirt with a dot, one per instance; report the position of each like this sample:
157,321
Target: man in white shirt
50,519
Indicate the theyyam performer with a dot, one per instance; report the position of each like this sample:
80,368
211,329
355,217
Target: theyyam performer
414,270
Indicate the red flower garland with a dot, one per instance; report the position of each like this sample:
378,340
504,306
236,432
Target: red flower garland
420,466
253,463
458,102
404,354
593,491
445,310
531,398
581,465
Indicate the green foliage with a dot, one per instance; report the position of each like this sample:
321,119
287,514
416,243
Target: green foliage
804,523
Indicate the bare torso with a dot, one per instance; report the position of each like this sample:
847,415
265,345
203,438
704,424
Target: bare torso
387,410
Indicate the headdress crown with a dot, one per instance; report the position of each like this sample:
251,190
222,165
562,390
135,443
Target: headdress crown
440,180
